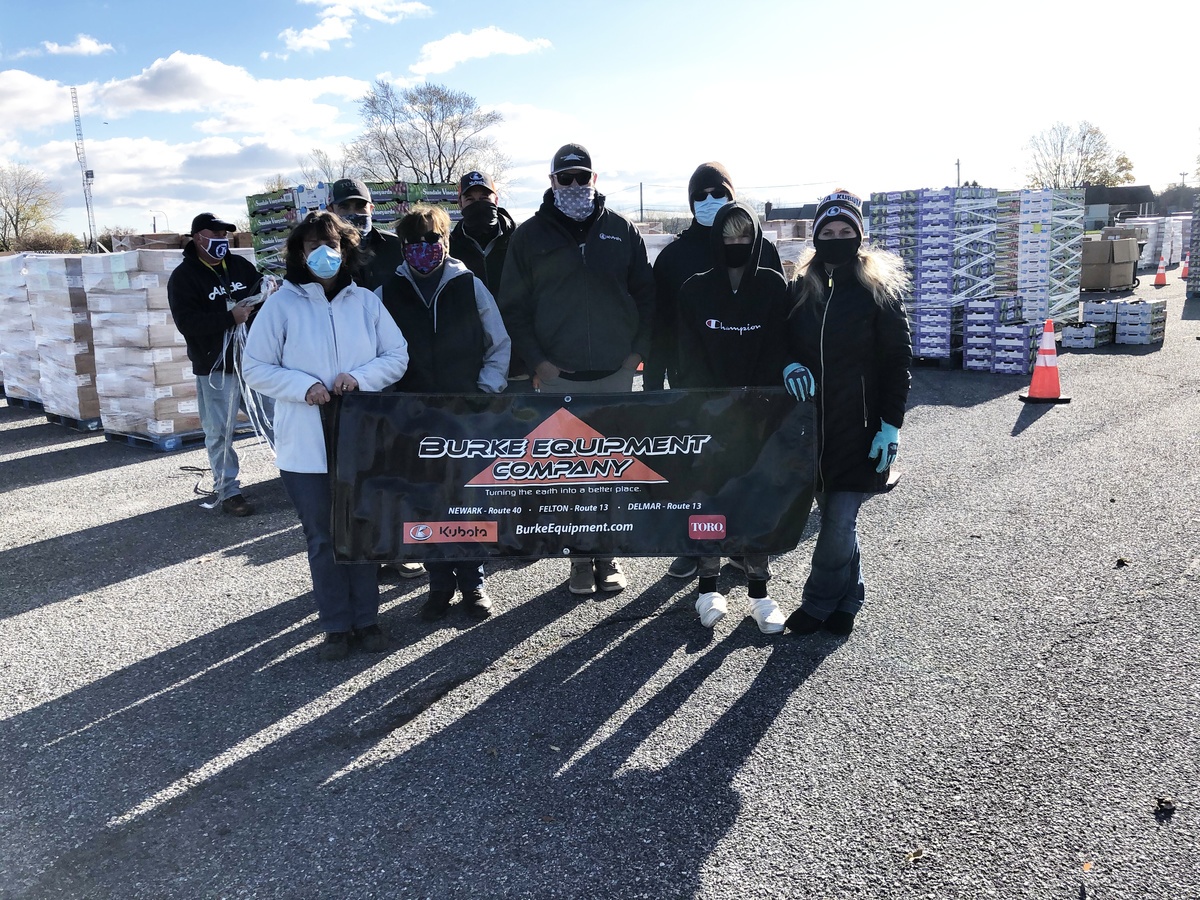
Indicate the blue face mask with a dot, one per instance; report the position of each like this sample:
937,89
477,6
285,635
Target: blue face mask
706,209
324,262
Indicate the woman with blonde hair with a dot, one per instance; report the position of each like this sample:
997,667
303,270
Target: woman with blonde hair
849,336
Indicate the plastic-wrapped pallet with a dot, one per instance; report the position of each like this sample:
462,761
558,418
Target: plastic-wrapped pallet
1193,282
1049,253
1155,232
973,239
18,343
66,357
144,379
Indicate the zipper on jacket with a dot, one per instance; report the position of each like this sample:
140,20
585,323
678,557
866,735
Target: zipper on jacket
821,455
333,334
863,381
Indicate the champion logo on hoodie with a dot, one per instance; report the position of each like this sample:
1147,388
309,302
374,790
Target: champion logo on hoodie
718,325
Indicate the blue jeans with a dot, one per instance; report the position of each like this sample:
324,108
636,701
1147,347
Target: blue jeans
219,398
835,581
347,594
445,575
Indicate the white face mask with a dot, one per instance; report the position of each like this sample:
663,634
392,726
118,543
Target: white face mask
706,209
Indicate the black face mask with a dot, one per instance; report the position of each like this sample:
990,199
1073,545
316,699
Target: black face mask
737,255
836,251
480,216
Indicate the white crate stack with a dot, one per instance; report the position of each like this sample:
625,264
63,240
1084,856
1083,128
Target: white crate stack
1193,281
974,244
144,378
992,332
1086,335
1154,240
1049,253
18,344
1141,322
1008,240
66,357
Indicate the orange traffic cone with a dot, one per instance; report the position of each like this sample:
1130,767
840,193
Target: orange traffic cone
1160,279
1044,388
1186,261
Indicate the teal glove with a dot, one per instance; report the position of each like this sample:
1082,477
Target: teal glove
885,445
799,381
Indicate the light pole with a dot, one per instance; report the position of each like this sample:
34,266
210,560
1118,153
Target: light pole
154,220
1183,179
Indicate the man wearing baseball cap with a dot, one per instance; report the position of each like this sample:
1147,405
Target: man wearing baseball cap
205,293
351,199
480,241
577,297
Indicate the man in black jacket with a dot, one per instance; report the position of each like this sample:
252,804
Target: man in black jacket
577,297
205,293
479,240
351,199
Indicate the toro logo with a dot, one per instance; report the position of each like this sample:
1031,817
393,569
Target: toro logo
706,528
451,532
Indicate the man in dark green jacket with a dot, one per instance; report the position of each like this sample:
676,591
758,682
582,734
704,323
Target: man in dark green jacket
577,297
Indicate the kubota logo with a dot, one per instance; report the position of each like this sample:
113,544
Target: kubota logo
452,533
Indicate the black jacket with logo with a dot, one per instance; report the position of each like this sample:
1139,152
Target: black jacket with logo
732,338
688,255
197,295
859,352
487,263
383,254
582,306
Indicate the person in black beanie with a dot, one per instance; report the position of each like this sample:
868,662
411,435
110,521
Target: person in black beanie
709,188
479,240
849,337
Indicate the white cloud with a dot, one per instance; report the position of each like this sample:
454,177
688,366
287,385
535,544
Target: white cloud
85,45
337,19
31,103
443,55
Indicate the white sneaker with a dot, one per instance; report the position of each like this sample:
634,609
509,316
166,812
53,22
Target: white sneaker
712,609
766,613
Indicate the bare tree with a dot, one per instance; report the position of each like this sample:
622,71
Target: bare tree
1066,157
323,166
423,133
28,204
490,159
277,182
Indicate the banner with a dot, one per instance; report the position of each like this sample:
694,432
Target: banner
663,473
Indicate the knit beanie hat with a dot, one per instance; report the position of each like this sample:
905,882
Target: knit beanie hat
840,206
709,175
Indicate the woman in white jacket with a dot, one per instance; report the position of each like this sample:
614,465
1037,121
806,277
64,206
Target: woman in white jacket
321,334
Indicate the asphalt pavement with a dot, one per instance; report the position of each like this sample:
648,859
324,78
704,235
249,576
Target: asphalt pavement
1015,715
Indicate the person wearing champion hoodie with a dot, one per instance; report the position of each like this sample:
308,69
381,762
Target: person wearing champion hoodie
850,350
457,345
709,188
322,334
577,296
732,322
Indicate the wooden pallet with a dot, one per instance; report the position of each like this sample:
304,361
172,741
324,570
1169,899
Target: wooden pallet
33,405
167,443
84,425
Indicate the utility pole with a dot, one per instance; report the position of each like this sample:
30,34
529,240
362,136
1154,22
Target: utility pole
958,173
641,205
1183,179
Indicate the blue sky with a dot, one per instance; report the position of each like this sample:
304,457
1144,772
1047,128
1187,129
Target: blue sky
188,107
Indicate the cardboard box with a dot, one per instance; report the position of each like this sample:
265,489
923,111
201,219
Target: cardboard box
1097,252
1124,250
1106,276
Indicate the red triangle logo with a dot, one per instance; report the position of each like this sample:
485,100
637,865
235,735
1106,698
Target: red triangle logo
556,437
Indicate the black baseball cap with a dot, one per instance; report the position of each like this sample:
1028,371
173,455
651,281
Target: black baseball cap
475,179
349,189
571,156
211,222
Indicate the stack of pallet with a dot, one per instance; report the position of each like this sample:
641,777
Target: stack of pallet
996,338
66,356
143,377
18,346
1049,253
1193,282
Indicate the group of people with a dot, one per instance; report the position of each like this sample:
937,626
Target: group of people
567,302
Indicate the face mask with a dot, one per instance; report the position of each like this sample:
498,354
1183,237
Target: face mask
324,262
706,209
737,255
218,247
424,257
836,251
482,215
361,221
576,201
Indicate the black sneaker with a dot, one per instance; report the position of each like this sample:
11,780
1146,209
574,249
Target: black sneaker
336,646
372,638
478,605
437,605
236,506
683,567
801,622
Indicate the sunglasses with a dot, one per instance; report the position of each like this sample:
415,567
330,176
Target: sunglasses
719,193
429,237
580,178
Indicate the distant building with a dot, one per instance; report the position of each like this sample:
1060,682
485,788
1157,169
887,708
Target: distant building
1104,206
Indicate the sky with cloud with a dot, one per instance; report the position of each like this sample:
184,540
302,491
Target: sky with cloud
190,107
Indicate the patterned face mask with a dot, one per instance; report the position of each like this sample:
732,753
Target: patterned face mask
576,201
424,257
